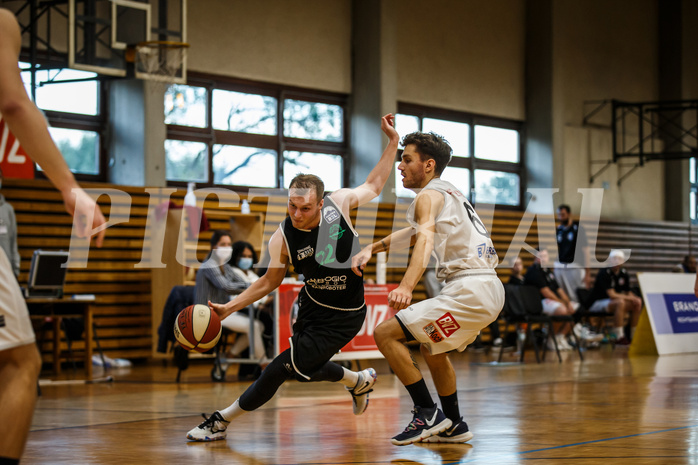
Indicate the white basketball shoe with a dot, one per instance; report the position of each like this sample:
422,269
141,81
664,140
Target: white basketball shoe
359,393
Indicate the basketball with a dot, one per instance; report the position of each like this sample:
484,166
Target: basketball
197,328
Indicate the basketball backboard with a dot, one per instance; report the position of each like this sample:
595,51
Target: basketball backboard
100,32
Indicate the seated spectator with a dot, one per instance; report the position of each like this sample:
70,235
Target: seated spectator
555,299
688,265
242,260
516,276
216,281
611,293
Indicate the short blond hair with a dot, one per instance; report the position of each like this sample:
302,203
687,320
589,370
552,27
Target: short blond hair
309,181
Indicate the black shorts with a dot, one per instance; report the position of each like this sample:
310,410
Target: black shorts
320,332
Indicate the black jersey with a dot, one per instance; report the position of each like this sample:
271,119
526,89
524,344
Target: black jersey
323,256
567,239
606,279
541,277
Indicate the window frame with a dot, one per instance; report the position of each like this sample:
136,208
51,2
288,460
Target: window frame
471,162
693,189
66,120
277,142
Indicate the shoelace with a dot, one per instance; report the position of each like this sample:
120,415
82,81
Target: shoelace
210,421
413,424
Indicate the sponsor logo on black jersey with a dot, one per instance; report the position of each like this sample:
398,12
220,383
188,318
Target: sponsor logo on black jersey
329,283
331,214
305,252
336,232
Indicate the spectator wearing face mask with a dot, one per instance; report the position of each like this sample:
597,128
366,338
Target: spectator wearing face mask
242,260
216,281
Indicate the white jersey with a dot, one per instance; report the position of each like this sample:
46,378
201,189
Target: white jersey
461,242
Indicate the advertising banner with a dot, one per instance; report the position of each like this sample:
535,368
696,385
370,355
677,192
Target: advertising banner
672,308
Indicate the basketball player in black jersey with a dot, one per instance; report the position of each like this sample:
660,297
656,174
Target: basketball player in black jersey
319,240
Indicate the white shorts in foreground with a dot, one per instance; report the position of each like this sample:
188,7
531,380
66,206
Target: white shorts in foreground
454,318
15,325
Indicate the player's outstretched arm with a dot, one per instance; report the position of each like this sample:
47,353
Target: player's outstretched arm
398,240
349,199
428,205
29,126
264,285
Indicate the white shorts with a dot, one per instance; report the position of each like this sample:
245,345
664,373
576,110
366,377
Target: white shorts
454,318
600,305
15,325
551,306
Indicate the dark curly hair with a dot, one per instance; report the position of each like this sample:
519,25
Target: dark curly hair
432,146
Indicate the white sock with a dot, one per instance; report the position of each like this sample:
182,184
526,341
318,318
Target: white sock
620,333
350,379
232,412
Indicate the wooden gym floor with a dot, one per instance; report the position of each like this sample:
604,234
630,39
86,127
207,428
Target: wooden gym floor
611,408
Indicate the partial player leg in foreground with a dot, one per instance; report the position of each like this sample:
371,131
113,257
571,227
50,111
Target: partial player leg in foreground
19,372
428,419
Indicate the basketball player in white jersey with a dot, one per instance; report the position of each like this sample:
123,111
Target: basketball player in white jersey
19,358
445,225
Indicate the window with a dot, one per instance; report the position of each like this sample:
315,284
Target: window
244,134
244,166
693,196
327,167
487,162
71,102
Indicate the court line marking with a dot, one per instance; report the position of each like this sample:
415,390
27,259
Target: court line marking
572,445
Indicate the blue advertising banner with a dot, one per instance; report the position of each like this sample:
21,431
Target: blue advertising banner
683,312
672,309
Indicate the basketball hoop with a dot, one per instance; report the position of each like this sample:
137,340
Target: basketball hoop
159,60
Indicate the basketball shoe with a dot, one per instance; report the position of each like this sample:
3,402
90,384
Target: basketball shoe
458,433
425,423
212,429
359,393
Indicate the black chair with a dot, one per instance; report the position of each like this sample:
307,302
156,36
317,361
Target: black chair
584,296
521,308
534,303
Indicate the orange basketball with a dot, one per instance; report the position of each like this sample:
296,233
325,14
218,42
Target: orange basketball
197,328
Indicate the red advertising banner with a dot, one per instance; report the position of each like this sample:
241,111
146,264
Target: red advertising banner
363,345
13,159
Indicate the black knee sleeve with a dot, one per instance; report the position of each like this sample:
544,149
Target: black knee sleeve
330,371
273,376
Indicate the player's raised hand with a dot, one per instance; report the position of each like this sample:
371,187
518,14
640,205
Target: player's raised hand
358,261
400,298
388,127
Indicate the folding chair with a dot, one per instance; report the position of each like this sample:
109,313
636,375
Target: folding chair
533,304
515,312
584,296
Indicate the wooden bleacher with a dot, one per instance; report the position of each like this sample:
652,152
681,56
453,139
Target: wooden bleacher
123,310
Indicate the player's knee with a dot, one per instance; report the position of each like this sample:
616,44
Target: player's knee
23,361
381,334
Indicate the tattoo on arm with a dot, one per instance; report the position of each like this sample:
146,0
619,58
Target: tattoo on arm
385,247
